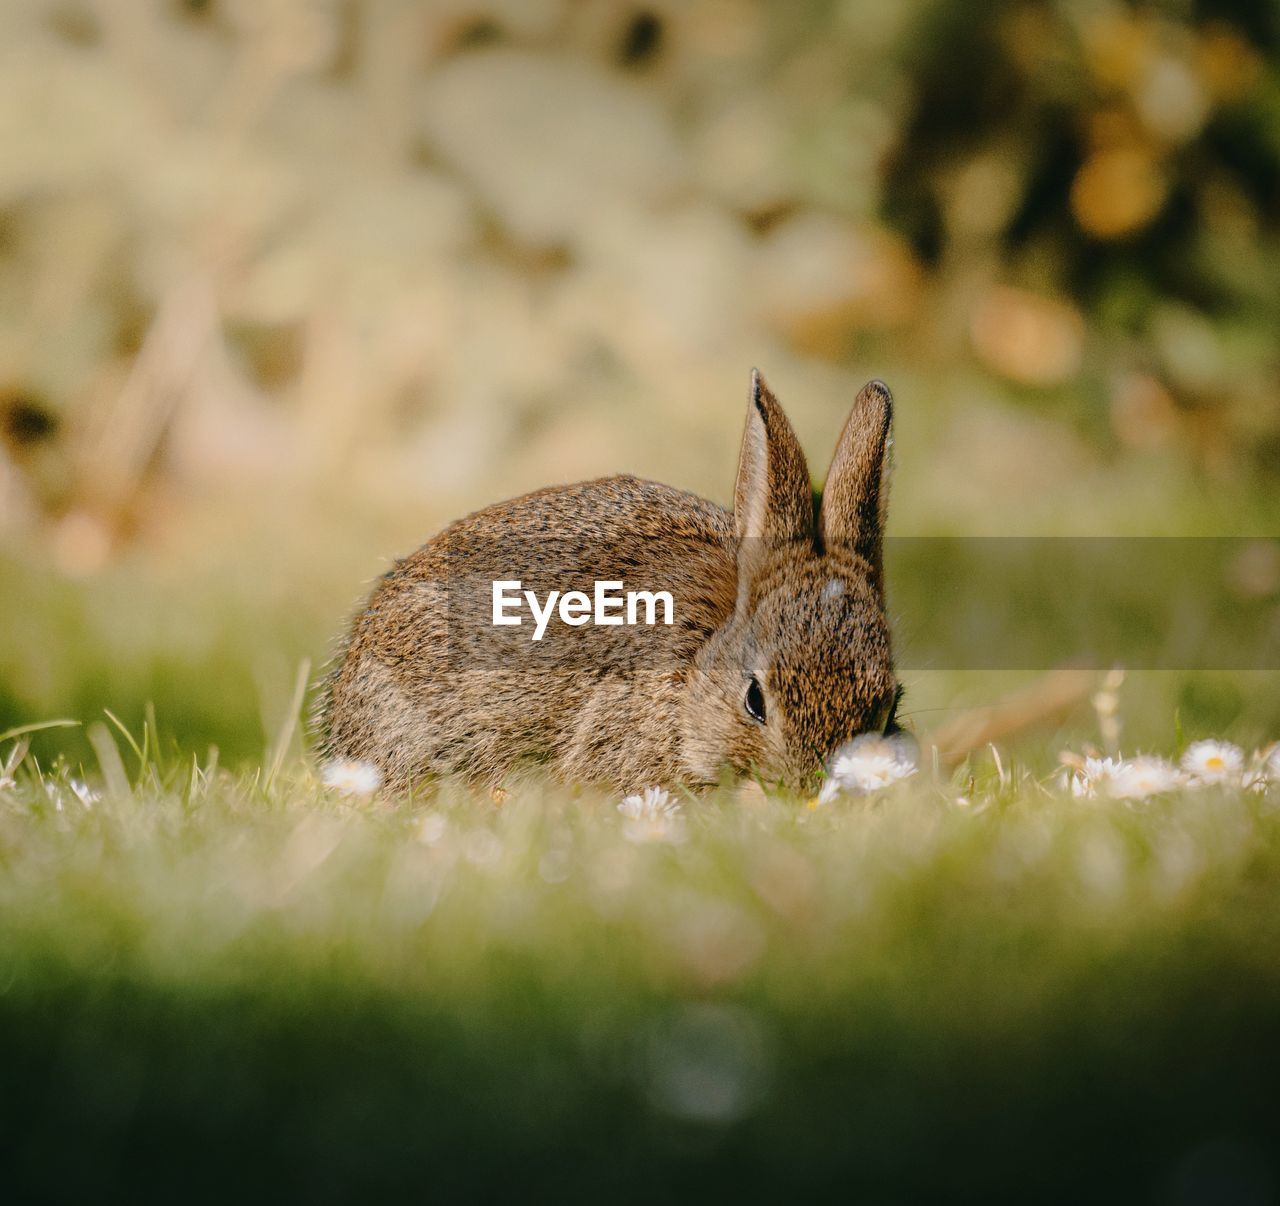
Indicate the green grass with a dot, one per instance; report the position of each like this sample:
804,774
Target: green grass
215,987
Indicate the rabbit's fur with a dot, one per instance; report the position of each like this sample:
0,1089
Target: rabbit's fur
779,590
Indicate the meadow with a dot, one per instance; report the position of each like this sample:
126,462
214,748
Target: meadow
968,986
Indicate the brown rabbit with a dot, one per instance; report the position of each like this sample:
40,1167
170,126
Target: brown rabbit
778,650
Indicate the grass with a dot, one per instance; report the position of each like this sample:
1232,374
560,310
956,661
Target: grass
213,983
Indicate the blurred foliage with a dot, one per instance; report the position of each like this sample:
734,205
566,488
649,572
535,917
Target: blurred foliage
285,286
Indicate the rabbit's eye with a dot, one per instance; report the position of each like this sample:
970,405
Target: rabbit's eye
754,702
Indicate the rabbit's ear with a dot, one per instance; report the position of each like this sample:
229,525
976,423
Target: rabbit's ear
773,498
857,487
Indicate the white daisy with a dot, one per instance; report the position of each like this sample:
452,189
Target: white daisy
10,764
1263,770
1138,778
652,816
831,787
1213,762
351,778
870,762
1092,776
84,793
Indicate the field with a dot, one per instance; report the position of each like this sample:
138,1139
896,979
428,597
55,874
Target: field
219,985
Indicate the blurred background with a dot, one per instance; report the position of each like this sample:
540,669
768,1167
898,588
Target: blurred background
287,284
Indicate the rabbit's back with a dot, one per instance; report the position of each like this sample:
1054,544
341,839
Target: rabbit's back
428,684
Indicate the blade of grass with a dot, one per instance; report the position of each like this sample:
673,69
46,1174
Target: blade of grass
289,726
128,736
17,752
39,726
113,773
150,734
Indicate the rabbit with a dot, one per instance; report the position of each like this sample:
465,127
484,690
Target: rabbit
778,654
